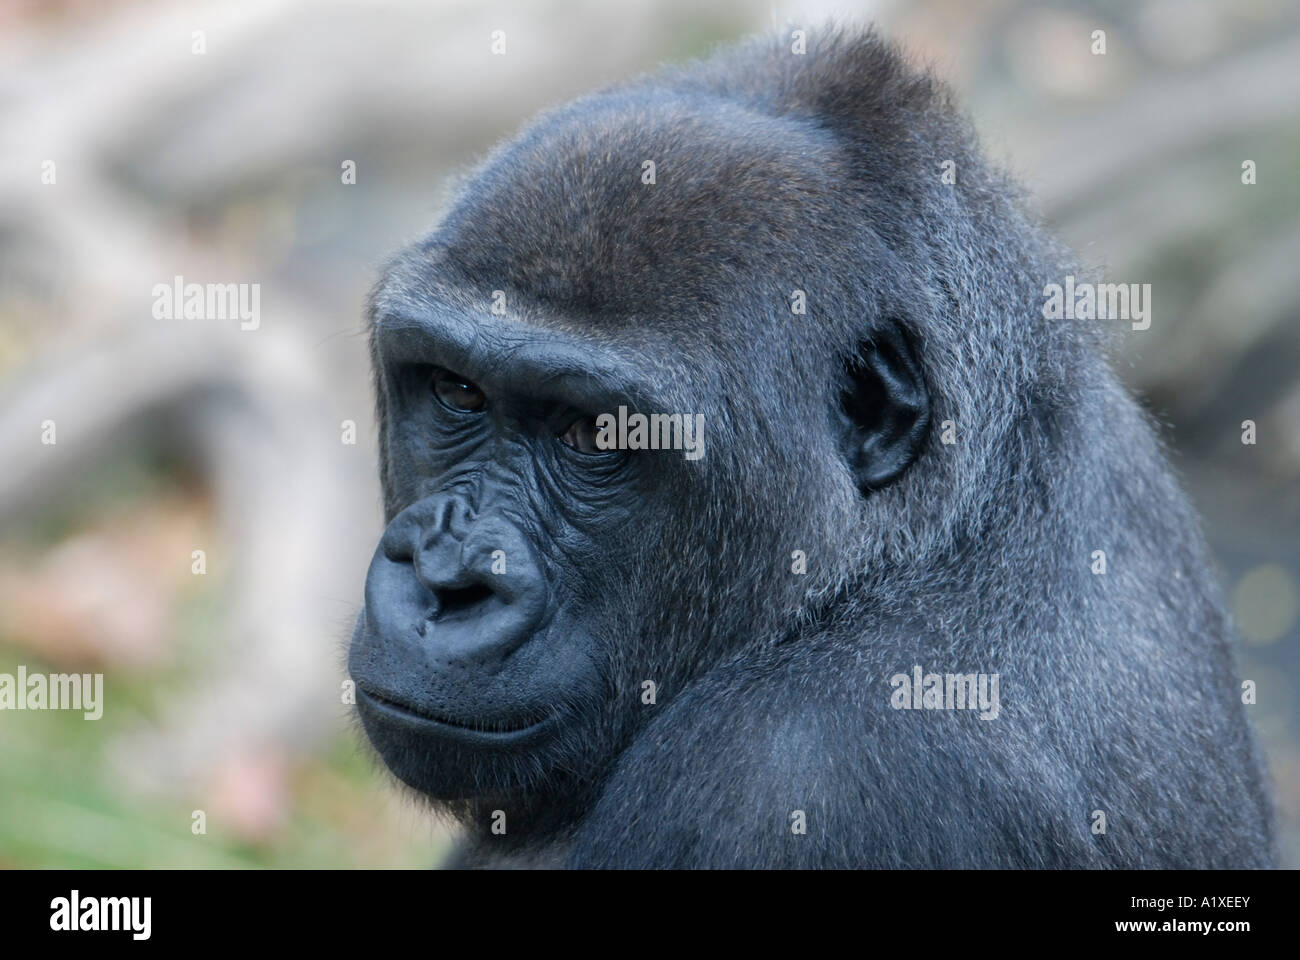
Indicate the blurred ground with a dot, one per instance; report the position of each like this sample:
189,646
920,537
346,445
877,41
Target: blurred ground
176,436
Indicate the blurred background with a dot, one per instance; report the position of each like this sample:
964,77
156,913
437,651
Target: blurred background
223,688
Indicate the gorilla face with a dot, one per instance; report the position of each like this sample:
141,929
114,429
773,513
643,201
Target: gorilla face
530,581
477,645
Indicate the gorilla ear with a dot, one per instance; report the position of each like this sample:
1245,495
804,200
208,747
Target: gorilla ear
884,410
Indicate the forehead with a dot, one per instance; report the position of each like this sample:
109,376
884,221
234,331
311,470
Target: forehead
638,203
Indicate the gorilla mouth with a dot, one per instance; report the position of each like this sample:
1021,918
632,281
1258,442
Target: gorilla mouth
485,726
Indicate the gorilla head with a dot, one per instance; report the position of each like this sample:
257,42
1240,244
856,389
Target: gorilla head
761,244
529,582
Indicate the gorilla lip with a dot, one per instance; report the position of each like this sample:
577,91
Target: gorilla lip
406,714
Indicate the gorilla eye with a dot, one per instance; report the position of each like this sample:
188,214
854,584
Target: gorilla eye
455,392
581,436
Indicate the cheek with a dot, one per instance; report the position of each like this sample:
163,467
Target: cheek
599,554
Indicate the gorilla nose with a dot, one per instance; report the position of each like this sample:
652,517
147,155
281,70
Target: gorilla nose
464,575
463,589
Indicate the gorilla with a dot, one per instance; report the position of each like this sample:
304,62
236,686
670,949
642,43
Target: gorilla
927,595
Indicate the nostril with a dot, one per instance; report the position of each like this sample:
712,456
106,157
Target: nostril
454,600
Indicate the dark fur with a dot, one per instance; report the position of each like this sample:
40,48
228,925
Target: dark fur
821,172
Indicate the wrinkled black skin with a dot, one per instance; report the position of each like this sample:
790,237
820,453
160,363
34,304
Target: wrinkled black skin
823,432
